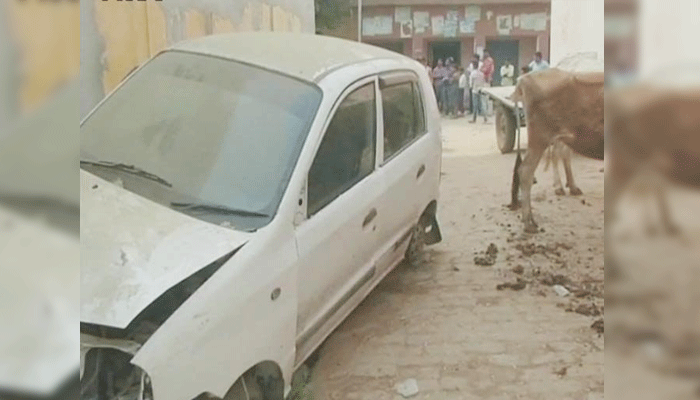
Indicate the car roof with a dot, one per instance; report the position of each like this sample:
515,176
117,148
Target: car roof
304,56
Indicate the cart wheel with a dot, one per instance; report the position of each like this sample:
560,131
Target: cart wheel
505,129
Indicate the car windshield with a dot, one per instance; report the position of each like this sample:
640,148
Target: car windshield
220,134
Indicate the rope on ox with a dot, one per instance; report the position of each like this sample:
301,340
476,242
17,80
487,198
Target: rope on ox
515,186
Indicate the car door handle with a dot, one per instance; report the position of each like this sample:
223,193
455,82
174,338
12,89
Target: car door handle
420,171
369,217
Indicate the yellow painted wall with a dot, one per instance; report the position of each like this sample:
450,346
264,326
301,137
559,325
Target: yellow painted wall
47,35
48,38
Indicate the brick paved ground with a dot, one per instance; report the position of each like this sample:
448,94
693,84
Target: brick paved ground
445,324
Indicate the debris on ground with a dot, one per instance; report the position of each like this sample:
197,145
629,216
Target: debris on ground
598,326
561,372
407,388
530,249
589,310
489,258
561,290
549,279
518,285
518,269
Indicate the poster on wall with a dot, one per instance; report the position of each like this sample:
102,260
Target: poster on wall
533,22
472,13
516,21
451,24
385,25
438,23
402,14
504,24
373,26
467,26
407,29
421,21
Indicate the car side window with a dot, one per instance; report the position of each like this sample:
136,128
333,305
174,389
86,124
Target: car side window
404,119
347,151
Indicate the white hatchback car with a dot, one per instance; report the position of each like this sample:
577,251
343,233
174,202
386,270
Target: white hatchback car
240,195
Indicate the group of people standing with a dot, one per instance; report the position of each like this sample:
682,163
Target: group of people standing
458,89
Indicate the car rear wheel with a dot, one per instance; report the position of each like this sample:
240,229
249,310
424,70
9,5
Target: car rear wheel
505,129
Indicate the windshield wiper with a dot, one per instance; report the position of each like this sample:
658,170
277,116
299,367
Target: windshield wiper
217,208
129,169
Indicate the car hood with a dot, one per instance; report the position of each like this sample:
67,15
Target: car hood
132,250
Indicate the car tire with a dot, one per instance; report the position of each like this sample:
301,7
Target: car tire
414,252
505,129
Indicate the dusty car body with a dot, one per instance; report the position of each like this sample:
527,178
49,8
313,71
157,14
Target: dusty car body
240,195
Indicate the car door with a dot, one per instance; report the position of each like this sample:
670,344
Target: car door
406,161
337,242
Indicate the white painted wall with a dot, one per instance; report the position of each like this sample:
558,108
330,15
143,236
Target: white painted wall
669,32
576,26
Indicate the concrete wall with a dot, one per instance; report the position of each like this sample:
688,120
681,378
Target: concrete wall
577,26
117,36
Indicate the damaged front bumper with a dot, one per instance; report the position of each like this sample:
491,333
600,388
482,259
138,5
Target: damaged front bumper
106,372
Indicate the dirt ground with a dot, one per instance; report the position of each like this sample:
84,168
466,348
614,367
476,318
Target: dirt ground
467,331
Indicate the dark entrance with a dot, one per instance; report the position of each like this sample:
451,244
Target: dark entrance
397,46
502,50
444,50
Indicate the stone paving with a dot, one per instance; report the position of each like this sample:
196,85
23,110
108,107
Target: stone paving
444,323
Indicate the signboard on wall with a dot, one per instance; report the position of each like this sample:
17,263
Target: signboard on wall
504,24
451,24
467,26
472,13
533,22
407,29
421,21
380,25
402,14
438,24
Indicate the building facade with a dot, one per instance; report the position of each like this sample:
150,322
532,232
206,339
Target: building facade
510,29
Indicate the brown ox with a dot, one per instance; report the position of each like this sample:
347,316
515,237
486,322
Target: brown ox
655,130
559,105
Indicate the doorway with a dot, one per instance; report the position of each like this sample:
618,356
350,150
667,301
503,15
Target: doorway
502,50
444,50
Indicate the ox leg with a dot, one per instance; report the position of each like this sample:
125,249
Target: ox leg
570,183
670,227
527,174
558,188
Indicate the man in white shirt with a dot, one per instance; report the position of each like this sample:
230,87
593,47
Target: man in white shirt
507,74
463,80
470,68
477,81
538,64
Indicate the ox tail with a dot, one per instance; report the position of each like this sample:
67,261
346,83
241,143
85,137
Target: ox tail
515,186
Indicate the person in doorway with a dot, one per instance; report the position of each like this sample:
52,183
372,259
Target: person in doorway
453,90
507,74
538,63
477,81
439,74
488,67
462,85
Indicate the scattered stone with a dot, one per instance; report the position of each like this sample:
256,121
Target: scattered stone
598,326
561,290
561,372
490,257
518,285
550,280
583,201
518,269
589,310
455,269
407,388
